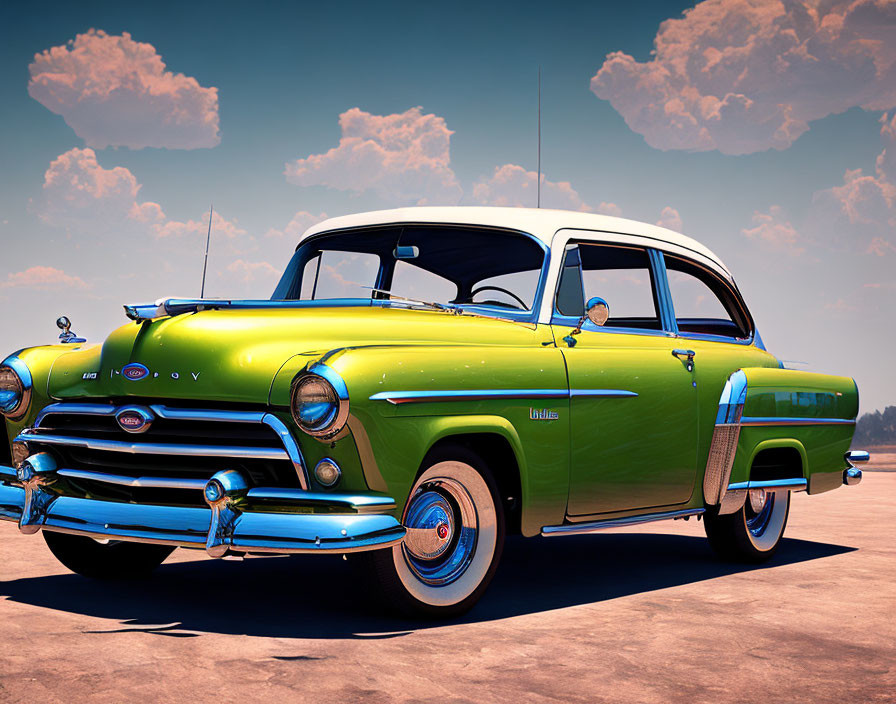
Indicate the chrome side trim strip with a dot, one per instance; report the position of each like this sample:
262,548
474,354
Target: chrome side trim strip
602,393
397,397
148,448
756,420
596,526
142,482
790,484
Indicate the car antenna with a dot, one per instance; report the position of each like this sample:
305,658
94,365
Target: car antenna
538,183
208,238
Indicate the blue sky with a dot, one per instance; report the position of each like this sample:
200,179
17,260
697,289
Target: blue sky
815,263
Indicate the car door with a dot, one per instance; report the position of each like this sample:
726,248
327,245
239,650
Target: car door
633,401
712,321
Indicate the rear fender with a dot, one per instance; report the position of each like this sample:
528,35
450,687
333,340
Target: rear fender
762,408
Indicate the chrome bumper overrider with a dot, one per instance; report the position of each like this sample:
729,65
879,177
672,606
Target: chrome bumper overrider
261,520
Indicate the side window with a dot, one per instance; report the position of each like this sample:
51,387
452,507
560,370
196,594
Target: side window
620,275
413,282
335,274
703,303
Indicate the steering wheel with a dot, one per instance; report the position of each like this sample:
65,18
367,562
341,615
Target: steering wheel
519,300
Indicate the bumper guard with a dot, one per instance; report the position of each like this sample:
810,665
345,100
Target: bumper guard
238,520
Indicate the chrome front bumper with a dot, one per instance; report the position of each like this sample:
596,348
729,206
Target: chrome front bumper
264,520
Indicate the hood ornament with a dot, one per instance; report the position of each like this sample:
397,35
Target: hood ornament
67,337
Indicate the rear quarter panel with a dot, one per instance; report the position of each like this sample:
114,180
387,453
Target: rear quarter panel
779,395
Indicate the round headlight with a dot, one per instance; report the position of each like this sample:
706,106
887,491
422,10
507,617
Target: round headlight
15,388
316,406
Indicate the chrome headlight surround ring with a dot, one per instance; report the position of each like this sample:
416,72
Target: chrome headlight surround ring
336,420
20,369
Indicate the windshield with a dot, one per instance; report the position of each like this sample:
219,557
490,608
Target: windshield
437,264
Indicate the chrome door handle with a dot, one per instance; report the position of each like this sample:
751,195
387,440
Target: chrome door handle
687,356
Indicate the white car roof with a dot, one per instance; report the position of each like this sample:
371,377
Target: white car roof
542,223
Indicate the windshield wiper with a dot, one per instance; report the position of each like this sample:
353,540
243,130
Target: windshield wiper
449,308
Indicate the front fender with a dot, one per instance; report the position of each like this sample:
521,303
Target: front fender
393,439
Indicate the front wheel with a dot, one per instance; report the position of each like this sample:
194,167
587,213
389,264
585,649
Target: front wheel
106,560
753,533
455,524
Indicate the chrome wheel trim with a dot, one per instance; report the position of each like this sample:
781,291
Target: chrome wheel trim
444,571
765,526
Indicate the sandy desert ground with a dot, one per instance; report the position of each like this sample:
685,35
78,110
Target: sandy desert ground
638,615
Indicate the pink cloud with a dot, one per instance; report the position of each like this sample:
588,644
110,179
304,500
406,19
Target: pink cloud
512,185
300,222
77,191
670,219
249,272
43,278
743,76
403,158
221,227
880,247
773,231
85,198
113,91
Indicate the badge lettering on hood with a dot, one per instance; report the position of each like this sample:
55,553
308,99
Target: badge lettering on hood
137,372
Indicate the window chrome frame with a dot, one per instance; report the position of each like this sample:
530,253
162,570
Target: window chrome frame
528,316
659,291
660,285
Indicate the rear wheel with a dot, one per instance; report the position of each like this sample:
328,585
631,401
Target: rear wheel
110,560
753,533
455,525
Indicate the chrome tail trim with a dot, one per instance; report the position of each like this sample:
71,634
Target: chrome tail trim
761,421
596,526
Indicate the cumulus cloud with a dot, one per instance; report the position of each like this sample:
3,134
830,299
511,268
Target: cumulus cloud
669,218
858,215
513,186
774,231
250,272
78,191
113,91
221,227
81,195
743,76
863,207
404,158
300,222
43,278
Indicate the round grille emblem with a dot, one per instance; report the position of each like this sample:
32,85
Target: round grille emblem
134,420
134,371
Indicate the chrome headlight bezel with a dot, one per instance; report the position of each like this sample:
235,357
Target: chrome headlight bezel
331,420
19,370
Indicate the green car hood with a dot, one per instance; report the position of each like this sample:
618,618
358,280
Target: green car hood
234,355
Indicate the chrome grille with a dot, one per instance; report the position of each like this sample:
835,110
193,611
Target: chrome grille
720,462
178,453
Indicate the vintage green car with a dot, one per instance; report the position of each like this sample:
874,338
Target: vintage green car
423,382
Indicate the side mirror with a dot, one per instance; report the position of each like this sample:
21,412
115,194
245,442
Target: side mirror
597,310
